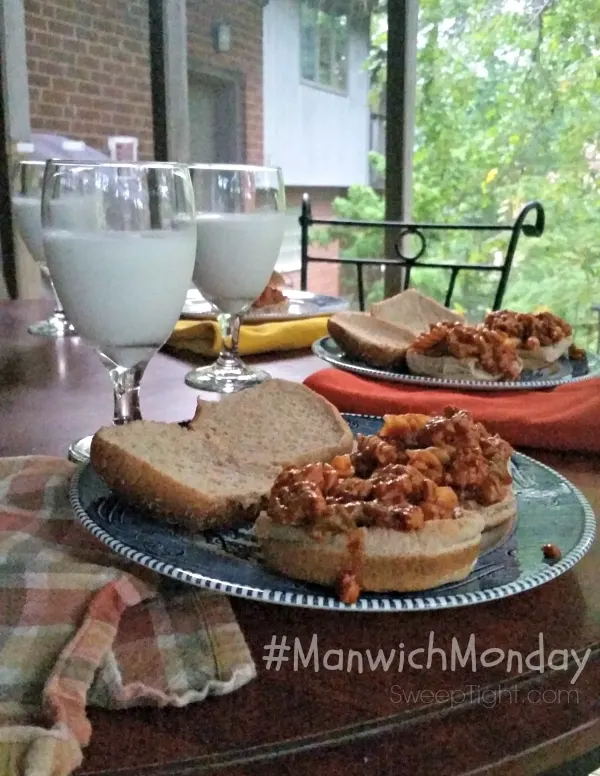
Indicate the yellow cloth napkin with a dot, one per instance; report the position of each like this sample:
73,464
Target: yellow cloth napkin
204,338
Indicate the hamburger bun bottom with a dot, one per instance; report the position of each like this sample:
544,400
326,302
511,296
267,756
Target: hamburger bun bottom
442,551
548,354
447,367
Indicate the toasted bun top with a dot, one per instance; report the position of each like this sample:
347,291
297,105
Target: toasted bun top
227,458
277,422
370,330
413,310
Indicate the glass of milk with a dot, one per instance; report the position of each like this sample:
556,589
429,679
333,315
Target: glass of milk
240,217
26,203
120,242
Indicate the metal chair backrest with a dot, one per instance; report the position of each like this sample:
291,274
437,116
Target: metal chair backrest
409,263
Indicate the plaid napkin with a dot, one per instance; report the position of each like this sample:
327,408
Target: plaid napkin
204,338
79,626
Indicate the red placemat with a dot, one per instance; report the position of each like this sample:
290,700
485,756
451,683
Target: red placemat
562,418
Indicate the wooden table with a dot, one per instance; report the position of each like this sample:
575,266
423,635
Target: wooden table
330,722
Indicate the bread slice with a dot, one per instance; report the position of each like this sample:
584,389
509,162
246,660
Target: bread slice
220,468
174,471
370,340
279,423
413,310
442,551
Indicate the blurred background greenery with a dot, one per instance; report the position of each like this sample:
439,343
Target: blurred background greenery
508,106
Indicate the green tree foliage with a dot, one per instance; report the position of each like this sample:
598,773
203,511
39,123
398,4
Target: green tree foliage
508,107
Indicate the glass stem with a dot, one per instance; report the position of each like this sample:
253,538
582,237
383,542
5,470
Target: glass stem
229,325
58,308
126,389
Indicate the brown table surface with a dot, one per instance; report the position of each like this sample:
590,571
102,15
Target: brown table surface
330,722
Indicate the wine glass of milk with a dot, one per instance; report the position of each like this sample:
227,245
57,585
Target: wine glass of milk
26,203
120,241
240,218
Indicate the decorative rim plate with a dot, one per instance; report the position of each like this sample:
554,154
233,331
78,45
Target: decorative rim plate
303,304
564,371
550,511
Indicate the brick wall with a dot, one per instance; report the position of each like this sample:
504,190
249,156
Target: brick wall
89,69
89,66
245,56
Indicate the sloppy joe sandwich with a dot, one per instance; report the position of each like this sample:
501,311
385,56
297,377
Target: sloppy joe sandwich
273,296
412,330
394,530
409,509
220,468
458,351
538,337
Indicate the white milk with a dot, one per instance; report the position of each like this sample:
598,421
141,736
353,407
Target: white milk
27,213
123,291
235,256
72,212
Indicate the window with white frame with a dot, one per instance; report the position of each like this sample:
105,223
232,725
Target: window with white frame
324,44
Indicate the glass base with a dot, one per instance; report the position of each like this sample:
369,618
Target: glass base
55,326
79,452
222,379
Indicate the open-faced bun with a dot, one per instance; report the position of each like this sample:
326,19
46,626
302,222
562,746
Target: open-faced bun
545,354
370,340
494,514
540,338
455,350
494,537
498,519
441,551
447,367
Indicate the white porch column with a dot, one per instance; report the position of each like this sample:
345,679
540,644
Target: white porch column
20,273
176,80
14,71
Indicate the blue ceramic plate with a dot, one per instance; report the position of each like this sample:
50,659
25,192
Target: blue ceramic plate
550,511
565,370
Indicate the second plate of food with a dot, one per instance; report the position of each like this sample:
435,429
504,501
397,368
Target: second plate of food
565,370
298,305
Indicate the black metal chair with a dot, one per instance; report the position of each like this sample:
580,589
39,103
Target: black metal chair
596,309
411,262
